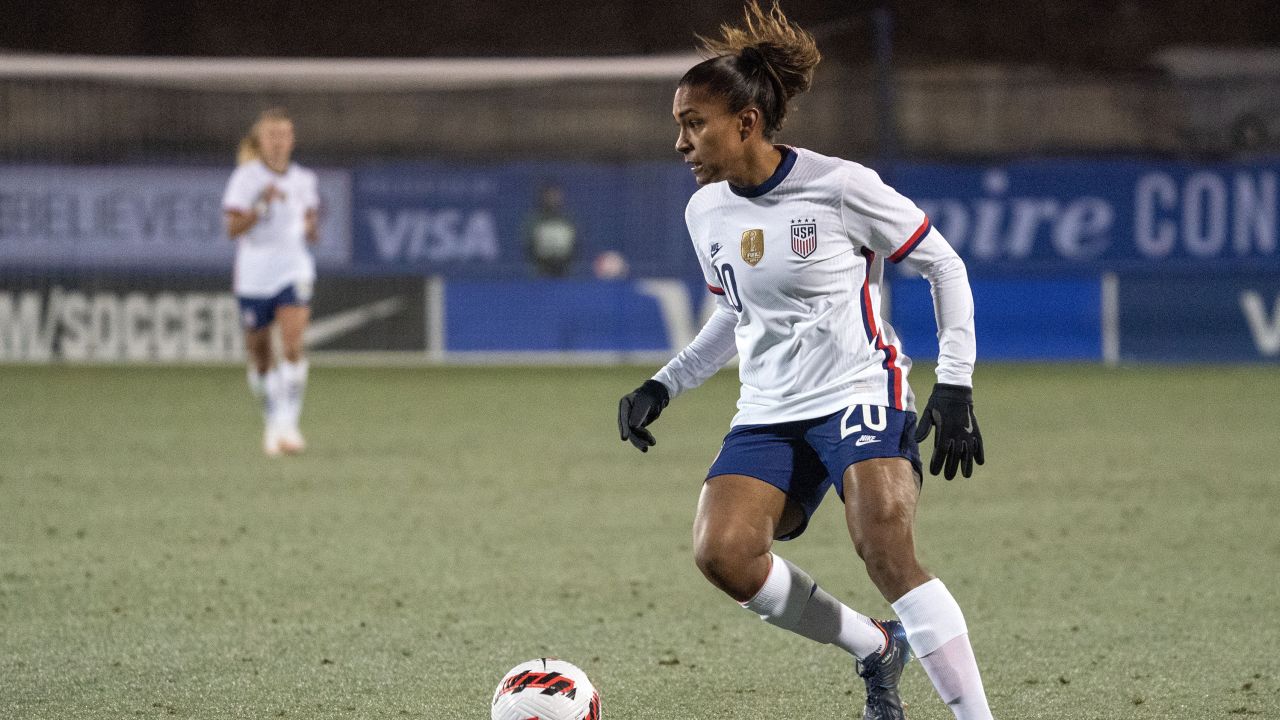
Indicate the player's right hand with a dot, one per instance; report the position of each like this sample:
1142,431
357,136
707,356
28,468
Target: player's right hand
637,409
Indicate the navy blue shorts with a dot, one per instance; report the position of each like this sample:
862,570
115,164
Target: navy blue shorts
806,457
257,313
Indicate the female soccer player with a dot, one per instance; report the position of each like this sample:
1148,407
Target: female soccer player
271,207
794,244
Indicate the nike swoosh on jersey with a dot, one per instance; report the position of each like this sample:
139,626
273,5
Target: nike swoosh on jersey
866,440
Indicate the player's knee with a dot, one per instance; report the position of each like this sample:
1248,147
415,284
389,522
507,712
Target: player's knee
714,560
885,526
883,545
724,560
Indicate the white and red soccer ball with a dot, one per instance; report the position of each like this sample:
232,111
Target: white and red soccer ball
545,689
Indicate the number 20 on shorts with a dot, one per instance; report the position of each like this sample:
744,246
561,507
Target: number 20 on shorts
875,417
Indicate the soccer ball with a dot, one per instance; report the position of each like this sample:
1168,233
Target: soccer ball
546,689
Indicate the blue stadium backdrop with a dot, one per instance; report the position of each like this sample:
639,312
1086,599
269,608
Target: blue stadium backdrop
1070,260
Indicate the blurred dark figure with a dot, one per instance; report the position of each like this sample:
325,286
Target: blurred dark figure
550,235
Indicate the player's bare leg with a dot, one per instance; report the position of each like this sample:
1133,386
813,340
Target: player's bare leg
737,521
880,506
264,381
293,320
738,518
257,345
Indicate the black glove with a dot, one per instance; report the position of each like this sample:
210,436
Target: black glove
957,440
639,408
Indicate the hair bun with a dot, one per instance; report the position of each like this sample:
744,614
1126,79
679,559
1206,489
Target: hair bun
753,54
773,55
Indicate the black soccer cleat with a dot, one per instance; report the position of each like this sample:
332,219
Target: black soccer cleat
882,671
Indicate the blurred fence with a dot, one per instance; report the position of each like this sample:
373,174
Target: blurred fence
100,109
112,248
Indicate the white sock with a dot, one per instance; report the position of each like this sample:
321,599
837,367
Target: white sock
791,600
940,638
954,672
294,375
273,396
257,382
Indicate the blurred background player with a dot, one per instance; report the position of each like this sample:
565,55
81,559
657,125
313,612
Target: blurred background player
794,244
271,206
551,239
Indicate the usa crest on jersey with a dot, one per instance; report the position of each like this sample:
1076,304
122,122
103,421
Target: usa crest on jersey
804,237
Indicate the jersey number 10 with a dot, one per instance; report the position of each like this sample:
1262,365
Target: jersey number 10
729,281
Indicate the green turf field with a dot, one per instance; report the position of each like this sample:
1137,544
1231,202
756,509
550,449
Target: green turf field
1118,557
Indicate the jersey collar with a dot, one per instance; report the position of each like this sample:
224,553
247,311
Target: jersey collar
784,168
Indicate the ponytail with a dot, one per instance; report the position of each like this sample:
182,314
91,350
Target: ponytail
248,150
765,62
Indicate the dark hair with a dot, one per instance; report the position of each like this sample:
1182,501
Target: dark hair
765,62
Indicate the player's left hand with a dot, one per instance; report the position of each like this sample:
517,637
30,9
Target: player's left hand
637,409
956,438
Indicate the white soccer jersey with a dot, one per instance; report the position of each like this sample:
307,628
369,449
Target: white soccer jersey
273,253
798,263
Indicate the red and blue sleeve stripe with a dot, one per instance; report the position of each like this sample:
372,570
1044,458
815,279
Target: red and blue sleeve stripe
916,237
890,363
